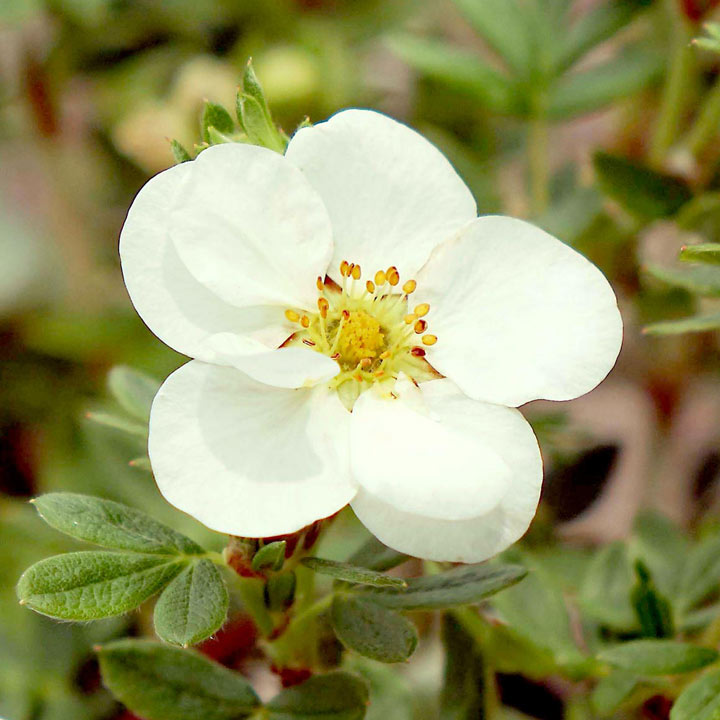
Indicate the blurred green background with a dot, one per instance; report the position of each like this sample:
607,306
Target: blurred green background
596,119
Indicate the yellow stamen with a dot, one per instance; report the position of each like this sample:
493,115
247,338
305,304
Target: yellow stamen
320,284
422,309
292,316
370,286
305,321
410,319
356,272
409,287
323,307
420,327
429,339
344,268
380,278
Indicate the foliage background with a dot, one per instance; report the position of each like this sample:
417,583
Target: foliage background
596,119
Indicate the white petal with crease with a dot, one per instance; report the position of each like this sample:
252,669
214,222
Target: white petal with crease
247,459
248,226
288,367
518,314
420,461
392,195
502,430
175,306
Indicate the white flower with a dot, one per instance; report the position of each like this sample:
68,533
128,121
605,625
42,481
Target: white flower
250,263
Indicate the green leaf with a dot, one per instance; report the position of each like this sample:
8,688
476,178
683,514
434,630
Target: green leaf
503,24
461,697
134,390
376,556
596,26
92,585
612,691
372,630
588,90
352,573
704,252
462,71
658,657
334,696
218,117
700,700
271,556
536,609
463,585
116,422
605,591
193,606
180,154
700,279
159,682
700,574
111,524
652,609
697,323
391,695
640,190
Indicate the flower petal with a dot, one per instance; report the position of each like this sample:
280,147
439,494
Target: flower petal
500,430
518,314
248,226
392,196
245,458
174,305
419,461
287,367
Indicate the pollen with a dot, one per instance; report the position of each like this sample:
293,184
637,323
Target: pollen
367,328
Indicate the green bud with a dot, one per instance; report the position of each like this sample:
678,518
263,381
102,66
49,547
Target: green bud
270,557
254,114
280,591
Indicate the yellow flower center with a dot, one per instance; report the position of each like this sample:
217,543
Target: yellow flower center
367,329
361,337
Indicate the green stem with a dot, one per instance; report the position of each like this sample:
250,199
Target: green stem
476,627
707,123
680,71
538,148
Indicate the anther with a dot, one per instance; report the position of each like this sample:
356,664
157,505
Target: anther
420,327
422,309
359,377
336,356
323,307
379,373
309,342
370,286
409,287
410,319
320,284
305,321
417,352
380,278
356,272
346,314
344,268
393,276
365,363
292,316
429,339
